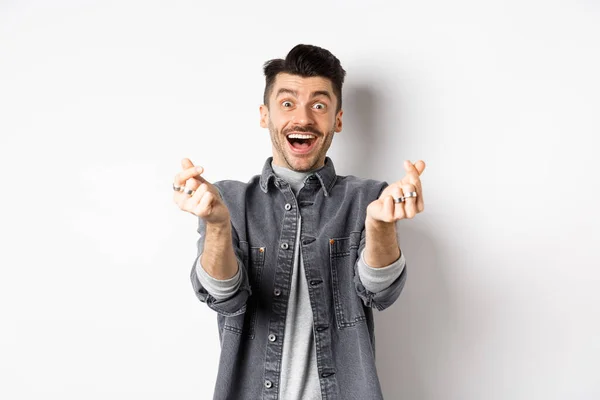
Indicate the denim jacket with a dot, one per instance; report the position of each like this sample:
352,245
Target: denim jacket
264,218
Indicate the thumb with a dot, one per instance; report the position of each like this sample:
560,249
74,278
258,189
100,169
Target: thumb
186,163
417,167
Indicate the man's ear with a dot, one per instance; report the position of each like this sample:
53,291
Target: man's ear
338,121
264,116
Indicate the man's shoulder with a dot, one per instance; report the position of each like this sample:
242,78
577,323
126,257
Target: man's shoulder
355,180
231,186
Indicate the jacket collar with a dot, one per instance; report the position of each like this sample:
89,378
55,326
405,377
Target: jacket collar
326,175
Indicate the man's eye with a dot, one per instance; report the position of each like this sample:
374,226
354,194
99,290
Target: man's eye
319,106
287,104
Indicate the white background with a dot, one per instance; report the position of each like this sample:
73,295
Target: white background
100,100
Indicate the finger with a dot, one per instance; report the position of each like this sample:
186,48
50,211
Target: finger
416,168
390,208
381,209
182,197
410,203
193,172
410,178
410,169
191,185
420,201
412,173
399,212
386,192
204,208
418,187
196,198
420,166
187,164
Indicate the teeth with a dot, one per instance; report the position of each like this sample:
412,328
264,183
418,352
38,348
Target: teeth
300,136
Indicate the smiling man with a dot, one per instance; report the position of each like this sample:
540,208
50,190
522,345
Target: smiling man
294,261
302,117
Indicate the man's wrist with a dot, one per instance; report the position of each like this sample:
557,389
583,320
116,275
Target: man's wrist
219,227
378,225
382,246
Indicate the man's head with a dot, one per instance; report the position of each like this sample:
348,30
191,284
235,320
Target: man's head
302,106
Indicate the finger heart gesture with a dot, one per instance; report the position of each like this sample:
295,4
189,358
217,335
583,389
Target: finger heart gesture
401,199
197,196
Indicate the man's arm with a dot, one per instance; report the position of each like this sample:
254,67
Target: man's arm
382,247
205,202
220,287
377,277
380,270
216,250
218,258
226,296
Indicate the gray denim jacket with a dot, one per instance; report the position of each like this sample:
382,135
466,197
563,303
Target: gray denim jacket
251,322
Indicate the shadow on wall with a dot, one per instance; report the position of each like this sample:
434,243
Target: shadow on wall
412,334
356,147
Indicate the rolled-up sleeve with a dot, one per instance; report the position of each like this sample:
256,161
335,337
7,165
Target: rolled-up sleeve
378,287
233,300
378,279
220,289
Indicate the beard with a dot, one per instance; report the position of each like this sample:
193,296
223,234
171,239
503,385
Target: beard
314,161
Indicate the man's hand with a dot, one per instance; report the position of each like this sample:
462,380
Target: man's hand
205,202
385,210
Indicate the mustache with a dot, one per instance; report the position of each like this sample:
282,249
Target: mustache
305,129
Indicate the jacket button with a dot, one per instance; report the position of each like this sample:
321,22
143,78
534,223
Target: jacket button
284,246
272,337
268,384
276,292
288,206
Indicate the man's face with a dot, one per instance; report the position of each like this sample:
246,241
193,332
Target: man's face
302,119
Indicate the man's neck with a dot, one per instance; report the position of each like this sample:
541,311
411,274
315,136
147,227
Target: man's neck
294,178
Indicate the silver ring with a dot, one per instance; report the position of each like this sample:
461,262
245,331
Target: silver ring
398,199
188,191
410,194
176,188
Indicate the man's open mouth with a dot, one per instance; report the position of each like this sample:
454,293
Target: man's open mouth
301,142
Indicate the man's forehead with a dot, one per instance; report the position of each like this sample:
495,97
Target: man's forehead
302,84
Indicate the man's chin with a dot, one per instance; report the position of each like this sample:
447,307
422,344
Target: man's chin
302,164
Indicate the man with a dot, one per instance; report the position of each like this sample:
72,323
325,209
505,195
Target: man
295,260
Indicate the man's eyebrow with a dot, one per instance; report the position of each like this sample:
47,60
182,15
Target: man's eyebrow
321,93
286,91
295,93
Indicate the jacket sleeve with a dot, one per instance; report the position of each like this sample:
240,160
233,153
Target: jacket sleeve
380,299
232,305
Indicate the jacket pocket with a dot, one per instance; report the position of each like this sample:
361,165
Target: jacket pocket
343,253
254,260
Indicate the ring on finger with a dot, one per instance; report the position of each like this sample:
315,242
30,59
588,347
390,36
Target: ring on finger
410,194
188,191
398,199
176,188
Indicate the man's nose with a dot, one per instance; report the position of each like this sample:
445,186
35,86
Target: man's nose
303,116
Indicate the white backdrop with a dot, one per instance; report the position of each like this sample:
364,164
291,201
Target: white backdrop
100,100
